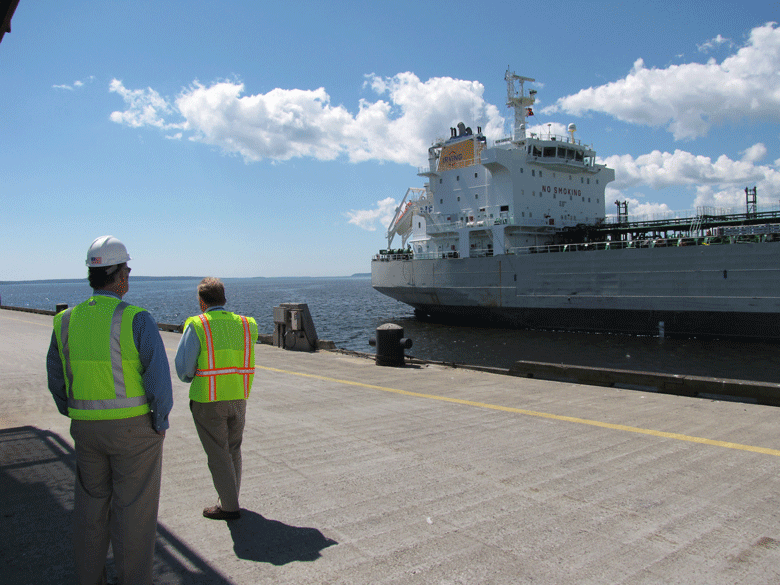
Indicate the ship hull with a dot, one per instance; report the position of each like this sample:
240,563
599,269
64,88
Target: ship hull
725,290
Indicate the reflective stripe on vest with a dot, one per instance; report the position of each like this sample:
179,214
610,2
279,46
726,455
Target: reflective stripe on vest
117,369
212,372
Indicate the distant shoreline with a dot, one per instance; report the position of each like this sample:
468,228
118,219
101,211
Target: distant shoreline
158,278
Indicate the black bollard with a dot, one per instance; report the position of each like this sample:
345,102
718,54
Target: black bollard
390,345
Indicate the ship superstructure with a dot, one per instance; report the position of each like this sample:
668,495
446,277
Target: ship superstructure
519,192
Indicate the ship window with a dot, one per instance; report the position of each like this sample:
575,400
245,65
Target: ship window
561,153
504,208
476,175
457,178
530,214
597,181
476,196
533,173
458,197
582,179
549,151
524,214
578,156
441,181
540,173
553,175
588,181
441,201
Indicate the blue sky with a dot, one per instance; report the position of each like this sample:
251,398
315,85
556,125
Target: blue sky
253,138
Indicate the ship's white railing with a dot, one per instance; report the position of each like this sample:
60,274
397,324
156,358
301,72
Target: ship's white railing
456,225
701,211
769,233
549,136
484,222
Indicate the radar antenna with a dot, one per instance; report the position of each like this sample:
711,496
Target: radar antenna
516,98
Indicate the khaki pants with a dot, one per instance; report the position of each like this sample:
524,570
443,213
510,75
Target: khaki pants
118,466
220,426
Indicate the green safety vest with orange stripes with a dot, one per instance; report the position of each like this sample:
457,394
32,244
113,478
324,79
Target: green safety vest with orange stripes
226,363
103,371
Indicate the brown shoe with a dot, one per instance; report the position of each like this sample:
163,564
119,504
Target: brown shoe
217,513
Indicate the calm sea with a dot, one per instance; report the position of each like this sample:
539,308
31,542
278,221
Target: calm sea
347,311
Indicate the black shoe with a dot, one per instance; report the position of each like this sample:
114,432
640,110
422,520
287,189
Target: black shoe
217,513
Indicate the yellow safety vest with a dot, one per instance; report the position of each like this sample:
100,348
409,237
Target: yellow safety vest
226,363
101,362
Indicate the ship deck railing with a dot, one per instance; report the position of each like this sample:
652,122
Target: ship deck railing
486,223
675,242
704,221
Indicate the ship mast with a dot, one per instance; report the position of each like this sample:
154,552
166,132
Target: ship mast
516,98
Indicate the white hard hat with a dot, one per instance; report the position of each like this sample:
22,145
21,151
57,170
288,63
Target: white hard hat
106,251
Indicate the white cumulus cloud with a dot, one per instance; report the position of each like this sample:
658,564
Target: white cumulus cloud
145,107
367,219
288,123
75,85
690,99
719,182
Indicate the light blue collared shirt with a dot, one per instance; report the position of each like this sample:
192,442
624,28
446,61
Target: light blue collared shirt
156,373
187,353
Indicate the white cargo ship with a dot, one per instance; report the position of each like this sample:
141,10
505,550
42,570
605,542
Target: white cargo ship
515,233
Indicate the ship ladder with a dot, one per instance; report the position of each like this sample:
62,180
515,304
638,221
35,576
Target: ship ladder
696,226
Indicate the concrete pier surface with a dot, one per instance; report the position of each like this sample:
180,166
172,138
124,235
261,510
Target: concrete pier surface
359,474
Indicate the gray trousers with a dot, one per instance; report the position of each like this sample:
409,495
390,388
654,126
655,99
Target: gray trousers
118,466
220,426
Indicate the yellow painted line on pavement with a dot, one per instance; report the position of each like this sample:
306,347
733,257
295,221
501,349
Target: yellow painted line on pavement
571,419
43,324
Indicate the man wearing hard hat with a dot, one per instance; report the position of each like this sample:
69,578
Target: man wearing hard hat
108,371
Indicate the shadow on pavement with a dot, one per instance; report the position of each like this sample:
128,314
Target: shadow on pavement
37,471
256,538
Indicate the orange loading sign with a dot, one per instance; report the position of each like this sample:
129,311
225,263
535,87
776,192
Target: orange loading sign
456,156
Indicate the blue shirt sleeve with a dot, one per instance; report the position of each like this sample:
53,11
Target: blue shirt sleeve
56,375
187,353
156,371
